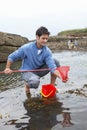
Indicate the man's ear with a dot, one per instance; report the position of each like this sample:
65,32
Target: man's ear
37,37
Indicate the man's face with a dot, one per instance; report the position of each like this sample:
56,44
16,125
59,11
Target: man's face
41,41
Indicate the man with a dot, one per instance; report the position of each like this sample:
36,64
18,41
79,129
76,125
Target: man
35,55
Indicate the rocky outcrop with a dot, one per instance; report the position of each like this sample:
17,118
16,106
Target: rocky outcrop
56,43
9,43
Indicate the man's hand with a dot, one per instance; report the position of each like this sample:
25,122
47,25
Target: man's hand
8,71
62,73
7,68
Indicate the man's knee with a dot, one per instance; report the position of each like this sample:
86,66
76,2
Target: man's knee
34,83
31,79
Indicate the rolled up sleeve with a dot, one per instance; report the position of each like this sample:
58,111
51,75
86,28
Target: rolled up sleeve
16,55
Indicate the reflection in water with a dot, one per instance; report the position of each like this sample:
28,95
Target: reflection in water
43,114
8,81
66,120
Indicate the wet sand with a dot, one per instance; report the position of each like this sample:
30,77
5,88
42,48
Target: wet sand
68,110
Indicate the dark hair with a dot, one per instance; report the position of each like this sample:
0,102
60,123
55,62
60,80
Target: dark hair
42,30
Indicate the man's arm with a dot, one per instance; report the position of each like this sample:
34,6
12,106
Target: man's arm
8,67
57,73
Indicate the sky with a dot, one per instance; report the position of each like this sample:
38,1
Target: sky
24,17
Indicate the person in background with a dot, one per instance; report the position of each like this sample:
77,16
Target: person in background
76,44
70,44
35,55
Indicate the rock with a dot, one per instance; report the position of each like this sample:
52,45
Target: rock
9,43
56,43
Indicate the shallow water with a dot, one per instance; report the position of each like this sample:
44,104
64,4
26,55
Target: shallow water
68,110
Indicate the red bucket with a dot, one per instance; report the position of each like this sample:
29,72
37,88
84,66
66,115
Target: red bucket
48,90
63,70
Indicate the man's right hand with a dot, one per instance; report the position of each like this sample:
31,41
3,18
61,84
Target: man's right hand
8,71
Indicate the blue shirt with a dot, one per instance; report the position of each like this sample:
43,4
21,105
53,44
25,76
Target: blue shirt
33,57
